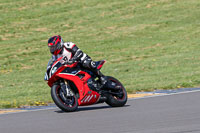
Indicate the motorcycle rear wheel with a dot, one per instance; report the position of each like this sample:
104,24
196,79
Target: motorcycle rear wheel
117,100
67,104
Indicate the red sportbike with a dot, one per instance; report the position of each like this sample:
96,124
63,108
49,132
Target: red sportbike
73,86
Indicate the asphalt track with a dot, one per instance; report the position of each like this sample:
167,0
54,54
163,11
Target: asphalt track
177,113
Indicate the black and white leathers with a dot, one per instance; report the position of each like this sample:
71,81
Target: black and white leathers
72,52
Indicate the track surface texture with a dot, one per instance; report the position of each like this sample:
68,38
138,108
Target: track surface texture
177,113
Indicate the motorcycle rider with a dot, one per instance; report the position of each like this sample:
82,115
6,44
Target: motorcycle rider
59,48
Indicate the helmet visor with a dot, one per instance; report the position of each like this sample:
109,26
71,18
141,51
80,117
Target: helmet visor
52,48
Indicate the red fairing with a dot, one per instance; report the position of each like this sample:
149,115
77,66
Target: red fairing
87,96
55,76
90,98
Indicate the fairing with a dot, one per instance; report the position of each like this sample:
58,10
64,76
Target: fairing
70,73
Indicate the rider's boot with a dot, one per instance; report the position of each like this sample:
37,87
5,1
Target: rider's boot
101,77
104,82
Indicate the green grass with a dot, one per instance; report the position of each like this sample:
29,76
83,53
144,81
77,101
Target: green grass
147,44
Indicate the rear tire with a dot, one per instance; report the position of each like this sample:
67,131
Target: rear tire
117,100
67,104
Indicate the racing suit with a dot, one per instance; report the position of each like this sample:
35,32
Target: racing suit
73,53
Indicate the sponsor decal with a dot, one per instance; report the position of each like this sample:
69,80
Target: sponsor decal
84,98
87,99
90,98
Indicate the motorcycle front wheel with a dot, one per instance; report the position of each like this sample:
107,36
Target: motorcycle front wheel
65,103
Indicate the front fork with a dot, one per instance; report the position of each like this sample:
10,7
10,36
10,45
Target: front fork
65,88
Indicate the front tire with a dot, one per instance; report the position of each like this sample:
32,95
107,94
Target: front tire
117,100
67,104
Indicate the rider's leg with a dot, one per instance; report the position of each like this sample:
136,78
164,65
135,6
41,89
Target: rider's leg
88,63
